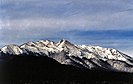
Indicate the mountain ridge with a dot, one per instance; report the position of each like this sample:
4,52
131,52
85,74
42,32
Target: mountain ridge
65,52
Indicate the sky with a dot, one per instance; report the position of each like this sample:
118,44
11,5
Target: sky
107,23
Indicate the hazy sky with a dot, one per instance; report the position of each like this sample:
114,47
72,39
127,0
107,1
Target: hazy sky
108,23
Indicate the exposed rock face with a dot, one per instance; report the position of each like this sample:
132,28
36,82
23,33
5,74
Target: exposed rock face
84,56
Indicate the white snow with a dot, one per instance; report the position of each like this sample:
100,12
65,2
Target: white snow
44,46
105,53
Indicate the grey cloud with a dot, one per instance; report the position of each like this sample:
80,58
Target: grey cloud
61,8
115,21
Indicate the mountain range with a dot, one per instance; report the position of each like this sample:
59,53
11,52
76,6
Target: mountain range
66,53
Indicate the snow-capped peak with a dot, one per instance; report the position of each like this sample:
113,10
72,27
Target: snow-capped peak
11,49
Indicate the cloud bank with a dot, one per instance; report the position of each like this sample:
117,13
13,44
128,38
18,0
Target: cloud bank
70,14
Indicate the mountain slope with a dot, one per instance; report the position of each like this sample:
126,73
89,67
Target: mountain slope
81,56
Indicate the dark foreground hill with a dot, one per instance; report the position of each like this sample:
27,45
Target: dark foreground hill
44,70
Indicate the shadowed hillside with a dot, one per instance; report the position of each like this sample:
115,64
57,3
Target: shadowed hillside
28,68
